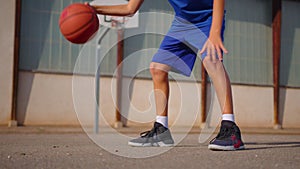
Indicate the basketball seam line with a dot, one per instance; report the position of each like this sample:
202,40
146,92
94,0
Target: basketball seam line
79,27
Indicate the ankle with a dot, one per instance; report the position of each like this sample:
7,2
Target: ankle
163,120
228,117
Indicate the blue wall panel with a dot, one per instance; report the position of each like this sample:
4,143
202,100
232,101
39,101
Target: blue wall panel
248,37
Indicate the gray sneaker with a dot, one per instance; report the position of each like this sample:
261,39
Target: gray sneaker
158,136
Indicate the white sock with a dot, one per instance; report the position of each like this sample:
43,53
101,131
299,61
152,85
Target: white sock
162,120
228,117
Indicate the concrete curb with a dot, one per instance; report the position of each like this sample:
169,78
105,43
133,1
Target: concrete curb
134,130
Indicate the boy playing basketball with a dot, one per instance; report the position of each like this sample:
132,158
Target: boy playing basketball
198,26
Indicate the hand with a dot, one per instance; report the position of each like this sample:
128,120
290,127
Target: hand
91,6
213,46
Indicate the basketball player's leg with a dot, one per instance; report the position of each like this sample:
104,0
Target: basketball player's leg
221,82
160,79
170,56
229,137
160,129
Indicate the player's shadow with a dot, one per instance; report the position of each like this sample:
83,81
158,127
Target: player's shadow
271,145
188,146
254,145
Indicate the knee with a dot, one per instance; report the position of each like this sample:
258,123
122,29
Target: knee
211,65
158,72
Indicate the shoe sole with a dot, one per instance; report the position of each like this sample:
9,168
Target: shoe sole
224,148
157,144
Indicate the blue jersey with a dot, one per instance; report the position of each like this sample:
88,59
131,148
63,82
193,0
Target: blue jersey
198,12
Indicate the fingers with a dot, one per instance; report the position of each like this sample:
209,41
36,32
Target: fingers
210,50
213,55
214,51
222,48
204,48
91,6
220,56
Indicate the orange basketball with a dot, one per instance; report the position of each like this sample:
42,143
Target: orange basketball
78,23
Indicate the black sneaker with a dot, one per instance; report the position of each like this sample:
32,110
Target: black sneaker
158,136
229,138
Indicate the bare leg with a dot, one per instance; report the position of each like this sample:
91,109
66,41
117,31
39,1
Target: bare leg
160,79
160,129
221,82
228,129
163,136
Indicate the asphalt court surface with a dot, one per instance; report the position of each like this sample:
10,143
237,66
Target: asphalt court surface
72,148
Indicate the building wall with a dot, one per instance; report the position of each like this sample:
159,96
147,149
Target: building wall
290,34
248,38
48,99
7,33
45,94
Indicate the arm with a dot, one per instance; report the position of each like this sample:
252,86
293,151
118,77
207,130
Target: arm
218,15
214,38
119,10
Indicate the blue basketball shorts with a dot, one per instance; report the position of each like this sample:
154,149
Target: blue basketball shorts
180,46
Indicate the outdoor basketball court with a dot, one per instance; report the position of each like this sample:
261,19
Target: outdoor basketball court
95,143
36,147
